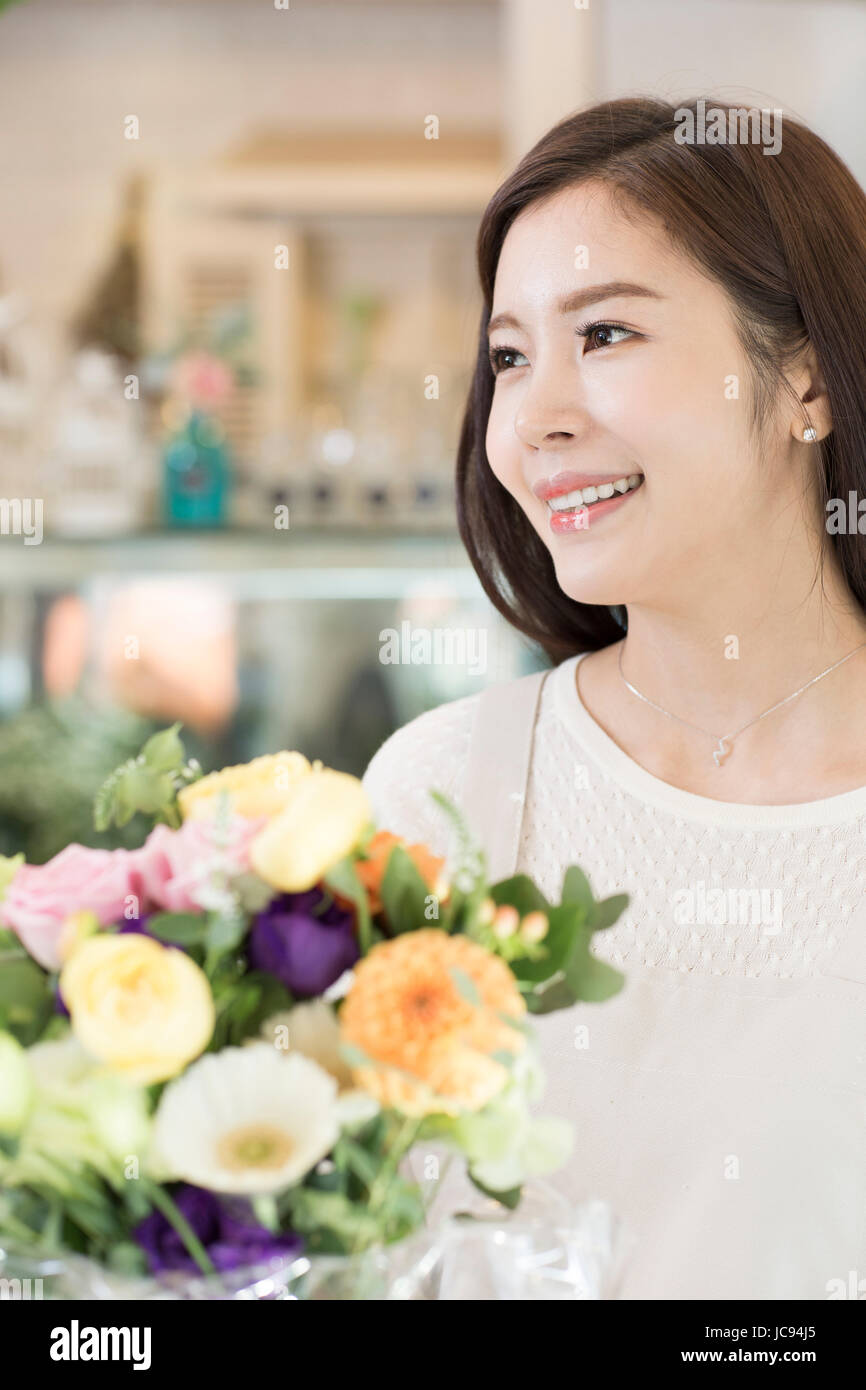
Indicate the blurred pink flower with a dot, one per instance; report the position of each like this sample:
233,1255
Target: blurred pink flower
202,379
175,867
41,896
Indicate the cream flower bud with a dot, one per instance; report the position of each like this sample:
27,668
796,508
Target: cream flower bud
506,921
533,928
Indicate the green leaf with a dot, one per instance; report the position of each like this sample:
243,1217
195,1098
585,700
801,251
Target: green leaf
608,910
342,879
549,997
404,893
164,751
520,892
355,1056
271,997
223,933
509,1199
9,867
97,1221
351,1155
565,923
179,928
315,1213
25,999
22,983
592,980
465,985
576,889
10,944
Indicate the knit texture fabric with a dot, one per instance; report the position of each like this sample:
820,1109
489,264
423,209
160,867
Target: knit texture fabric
716,888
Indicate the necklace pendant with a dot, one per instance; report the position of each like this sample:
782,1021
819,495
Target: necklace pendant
720,753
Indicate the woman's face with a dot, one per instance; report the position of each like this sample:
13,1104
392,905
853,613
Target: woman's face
638,386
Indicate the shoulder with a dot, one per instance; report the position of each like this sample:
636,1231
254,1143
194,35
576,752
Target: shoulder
428,753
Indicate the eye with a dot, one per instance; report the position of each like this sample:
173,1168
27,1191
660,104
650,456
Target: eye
496,356
589,332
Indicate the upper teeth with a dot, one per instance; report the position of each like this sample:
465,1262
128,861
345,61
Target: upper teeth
583,496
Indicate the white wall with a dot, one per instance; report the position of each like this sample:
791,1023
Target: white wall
807,57
201,74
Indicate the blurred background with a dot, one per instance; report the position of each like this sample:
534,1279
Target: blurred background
238,316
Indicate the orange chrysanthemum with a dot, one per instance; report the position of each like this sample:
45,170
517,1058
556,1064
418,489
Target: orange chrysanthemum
432,1044
371,870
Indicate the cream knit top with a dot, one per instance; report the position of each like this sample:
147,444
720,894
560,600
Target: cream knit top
719,1100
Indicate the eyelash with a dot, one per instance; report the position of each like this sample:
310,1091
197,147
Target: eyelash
584,331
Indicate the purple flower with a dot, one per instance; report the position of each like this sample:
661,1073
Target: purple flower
306,950
225,1226
136,924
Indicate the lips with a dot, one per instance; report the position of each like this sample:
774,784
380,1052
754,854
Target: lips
573,509
569,481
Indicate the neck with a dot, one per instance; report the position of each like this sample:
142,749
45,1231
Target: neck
720,664
720,675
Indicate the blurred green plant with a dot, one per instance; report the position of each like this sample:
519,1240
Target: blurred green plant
54,757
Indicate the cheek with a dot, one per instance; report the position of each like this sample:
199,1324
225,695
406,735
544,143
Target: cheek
502,444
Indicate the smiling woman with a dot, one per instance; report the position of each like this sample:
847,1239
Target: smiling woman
670,384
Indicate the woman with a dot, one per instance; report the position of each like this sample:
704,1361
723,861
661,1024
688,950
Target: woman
670,393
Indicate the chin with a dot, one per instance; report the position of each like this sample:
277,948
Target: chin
589,584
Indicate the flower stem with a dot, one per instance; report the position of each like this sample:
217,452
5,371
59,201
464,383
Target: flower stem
176,1218
402,1145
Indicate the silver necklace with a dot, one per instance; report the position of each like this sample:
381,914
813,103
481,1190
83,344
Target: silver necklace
724,741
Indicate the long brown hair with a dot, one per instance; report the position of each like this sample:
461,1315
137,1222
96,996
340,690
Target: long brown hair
783,234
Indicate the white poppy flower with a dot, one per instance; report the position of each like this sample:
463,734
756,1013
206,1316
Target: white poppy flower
246,1120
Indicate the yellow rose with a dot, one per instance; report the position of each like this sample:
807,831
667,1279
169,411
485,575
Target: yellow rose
258,788
322,821
143,1008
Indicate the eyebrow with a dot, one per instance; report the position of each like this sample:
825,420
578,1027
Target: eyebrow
581,299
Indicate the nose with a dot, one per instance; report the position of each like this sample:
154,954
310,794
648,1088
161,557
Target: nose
552,414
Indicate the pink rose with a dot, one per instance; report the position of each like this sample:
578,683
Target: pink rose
41,896
175,867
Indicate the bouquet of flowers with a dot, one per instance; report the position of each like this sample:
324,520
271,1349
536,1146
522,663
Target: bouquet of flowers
217,1050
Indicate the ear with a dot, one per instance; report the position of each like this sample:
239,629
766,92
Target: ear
814,410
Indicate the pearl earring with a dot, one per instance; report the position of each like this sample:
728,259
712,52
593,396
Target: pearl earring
810,435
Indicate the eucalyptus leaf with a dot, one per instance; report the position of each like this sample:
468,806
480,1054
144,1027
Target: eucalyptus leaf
466,987
520,892
223,933
355,1056
576,889
608,911
179,928
564,925
547,998
591,979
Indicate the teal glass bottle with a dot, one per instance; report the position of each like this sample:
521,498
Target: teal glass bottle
196,473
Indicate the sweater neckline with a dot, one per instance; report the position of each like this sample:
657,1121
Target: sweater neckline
633,778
